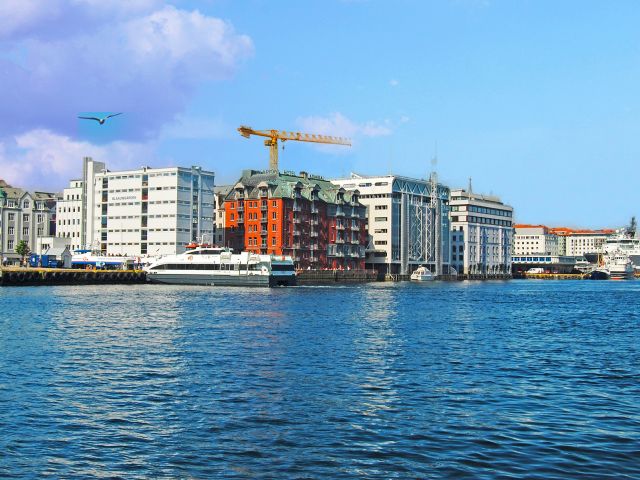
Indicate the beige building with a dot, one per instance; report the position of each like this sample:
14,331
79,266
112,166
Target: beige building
23,216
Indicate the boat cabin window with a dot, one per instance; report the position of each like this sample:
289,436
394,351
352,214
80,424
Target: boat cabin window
279,267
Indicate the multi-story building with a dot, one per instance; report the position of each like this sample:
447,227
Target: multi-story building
578,243
24,216
152,210
534,239
481,233
75,207
316,222
403,224
220,193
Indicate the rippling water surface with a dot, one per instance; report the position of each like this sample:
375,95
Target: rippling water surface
450,380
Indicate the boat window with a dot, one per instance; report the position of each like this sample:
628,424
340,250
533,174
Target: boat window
282,267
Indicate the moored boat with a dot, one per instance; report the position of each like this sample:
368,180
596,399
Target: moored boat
422,274
221,267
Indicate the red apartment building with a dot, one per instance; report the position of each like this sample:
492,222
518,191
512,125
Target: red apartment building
319,224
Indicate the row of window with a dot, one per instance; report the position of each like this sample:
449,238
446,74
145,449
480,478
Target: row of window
25,231
25,204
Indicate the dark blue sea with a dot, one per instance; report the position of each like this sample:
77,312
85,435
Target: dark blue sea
520,379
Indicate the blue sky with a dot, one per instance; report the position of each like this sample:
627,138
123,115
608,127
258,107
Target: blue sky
537,101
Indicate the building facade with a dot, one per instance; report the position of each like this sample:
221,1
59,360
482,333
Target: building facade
578,243
316,222
220,194
74,210
481,234
24,216
151,211
405,229
535,239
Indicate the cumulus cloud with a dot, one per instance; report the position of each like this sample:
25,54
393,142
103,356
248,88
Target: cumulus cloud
339,125
41,158
140,57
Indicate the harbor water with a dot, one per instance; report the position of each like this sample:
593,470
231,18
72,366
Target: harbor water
535,379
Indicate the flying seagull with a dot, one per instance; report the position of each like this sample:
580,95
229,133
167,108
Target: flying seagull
101,120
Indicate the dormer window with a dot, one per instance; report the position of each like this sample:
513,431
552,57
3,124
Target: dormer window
25,204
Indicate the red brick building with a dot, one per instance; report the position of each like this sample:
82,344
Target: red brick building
319,224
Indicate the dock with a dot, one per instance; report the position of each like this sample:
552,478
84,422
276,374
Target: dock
58,276
326,277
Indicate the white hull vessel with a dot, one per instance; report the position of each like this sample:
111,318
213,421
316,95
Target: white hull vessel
422,274
220,267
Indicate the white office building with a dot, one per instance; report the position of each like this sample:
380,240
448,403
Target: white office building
73,222
481,234
405,231
535,240
577,243
23,216
152,211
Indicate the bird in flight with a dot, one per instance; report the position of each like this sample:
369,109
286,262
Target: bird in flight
101,120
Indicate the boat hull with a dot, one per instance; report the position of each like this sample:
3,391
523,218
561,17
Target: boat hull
212,279
422,278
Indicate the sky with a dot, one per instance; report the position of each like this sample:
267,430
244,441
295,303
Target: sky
537,101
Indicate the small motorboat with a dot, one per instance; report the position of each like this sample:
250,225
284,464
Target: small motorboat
422,274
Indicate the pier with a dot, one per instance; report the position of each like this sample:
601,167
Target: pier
55,276
325,277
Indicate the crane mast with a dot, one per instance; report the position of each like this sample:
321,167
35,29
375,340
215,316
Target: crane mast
272,137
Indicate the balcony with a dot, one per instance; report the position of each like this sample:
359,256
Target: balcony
263,232
240,208
297,220
339,212
297,232
264,208
297,245
314,222
264,219
314,209
297,208
240,219
313,233
339,227
339,240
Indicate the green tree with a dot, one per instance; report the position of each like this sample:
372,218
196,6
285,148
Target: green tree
22,249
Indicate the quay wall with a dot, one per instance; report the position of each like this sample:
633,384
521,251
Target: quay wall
325,277
54,276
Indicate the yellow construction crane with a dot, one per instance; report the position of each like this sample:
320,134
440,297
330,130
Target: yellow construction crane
274,135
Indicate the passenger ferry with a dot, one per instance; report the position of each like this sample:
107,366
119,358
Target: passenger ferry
204,265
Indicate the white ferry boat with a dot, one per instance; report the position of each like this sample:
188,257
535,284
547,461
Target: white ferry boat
422,274
625,241
619,266
221,267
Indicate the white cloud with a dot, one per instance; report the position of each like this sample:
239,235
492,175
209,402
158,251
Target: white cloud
141,59
43,159
394,83
339,125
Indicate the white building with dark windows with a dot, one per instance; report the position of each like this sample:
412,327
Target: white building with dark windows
581,242
535,240
404,228
73,222
481,234
23,216
152,210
